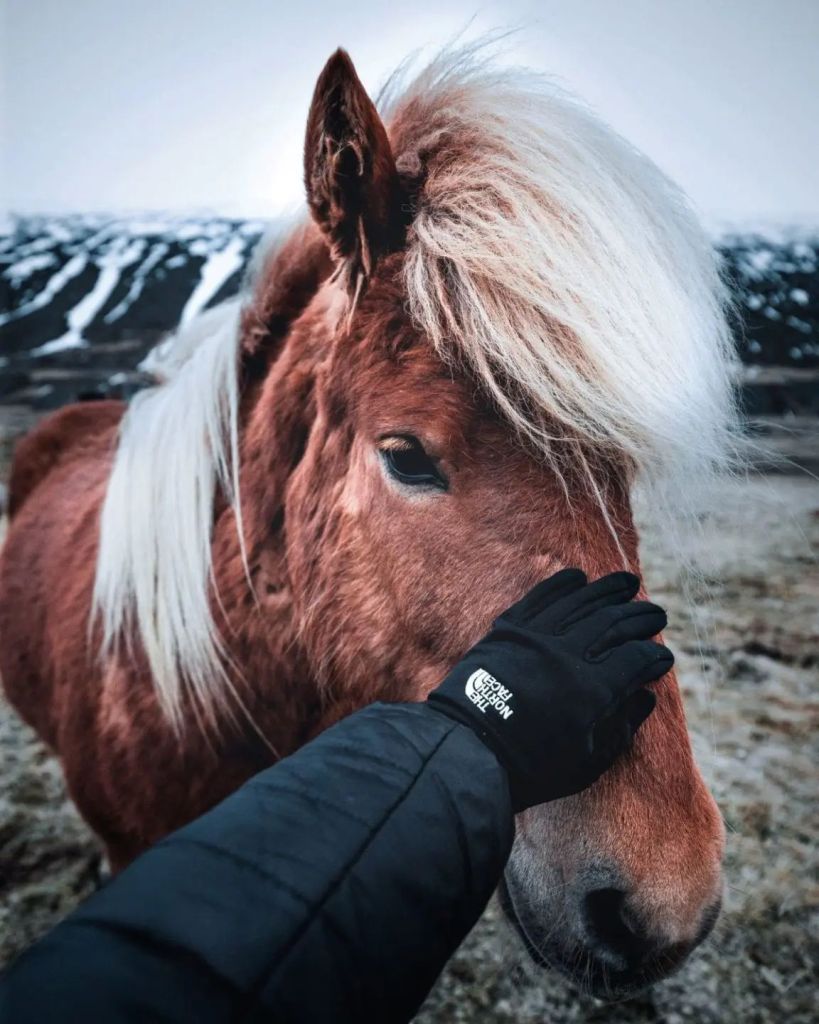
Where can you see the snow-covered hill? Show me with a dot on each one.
(775, 278)
(83, 298)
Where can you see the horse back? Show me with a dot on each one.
(65, 434)
(57, 485)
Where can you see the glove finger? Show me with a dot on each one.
(614, 589)
(614, 733)
(639, 662)
(545, 593)
(617, 624)
(638, 706)
(610, 737)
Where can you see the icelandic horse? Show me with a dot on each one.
(445, 384)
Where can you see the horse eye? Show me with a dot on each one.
(408, 463)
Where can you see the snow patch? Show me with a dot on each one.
(55, 284)
(138, 283)
(217, 269)
(111, 264)
(68, 340)
(22, 269)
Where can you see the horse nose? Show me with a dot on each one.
(616, 934)
(628, 942)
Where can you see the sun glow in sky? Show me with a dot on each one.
(200, 104)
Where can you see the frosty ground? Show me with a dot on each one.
(748, 659)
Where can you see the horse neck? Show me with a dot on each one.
(283, 340)
(281, 348)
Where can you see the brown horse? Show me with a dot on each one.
(444, 386)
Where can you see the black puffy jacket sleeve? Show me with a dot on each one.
(332, 887)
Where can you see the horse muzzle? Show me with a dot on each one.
(605, 946)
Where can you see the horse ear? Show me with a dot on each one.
(353, 188)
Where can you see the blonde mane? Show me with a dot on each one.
(566, 270)
(178, 443)
(545, 253)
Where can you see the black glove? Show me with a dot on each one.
(555, 689)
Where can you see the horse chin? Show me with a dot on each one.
(579, 964)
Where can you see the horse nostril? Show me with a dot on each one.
(613, 928)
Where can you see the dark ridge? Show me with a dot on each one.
(83, 299)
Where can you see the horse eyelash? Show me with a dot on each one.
(396, 443)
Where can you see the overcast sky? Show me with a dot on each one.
(194, 104)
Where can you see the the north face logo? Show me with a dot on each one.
(485, 691)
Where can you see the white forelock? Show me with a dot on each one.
(568, 272)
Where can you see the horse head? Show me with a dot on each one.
(500, 321)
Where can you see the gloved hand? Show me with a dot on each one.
(556, 688)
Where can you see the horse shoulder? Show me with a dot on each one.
(46, 566)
